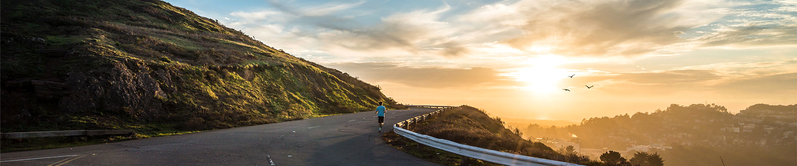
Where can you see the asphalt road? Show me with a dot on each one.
(350, 139)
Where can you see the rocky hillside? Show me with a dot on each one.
(150, 66)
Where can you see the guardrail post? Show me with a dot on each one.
(409, 124)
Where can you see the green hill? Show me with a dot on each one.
(471, 126)
(153, 67)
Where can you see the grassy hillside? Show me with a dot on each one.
(471, 126)
(153, 67)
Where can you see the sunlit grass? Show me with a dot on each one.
(210, 76)
(470, 126)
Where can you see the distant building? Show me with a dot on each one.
(768, 129)
(762, 143)
(646, 148)
(731, 129)
(748, 128)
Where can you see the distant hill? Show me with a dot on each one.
(765, 110)
(688, 135)
(153, 67)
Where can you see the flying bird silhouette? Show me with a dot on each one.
(589, 87)
(566, 89)
(571, 76)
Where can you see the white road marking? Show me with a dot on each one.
(38, 158)
(352, 120)
(67, 160)
(269, 160)
(312, 127)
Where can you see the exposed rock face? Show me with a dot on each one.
(129, 88)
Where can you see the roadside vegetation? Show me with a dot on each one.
(154, 68)
(471, 126)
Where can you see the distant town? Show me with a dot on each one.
(710, 127)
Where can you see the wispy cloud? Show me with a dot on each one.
(428, 77)
(609, 28)
(722, 78)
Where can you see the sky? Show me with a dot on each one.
(513, 58)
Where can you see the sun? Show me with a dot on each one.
(542, 75)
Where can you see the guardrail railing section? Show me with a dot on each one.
(467, 150)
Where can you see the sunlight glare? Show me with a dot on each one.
(542, 75)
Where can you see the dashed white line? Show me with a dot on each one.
(312, 127)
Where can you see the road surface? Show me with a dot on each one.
(350, 139)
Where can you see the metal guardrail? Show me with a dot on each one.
(429, 106)
(467, 150)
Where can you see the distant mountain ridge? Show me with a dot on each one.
(786, 110)
(150, 66)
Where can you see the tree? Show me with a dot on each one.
(570, 149)
(612, 158)
(639, 159)
(655, 160)
(645, 159)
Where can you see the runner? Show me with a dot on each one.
(380, 114)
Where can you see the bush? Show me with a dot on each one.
(470, 126)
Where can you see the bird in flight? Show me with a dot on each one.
(571, 76)
(566, 89)
(589, 87)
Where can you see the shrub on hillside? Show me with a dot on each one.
(468, 125)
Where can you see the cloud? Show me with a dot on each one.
(321, 15)
(426, 77)
(748, 69)
(415, 31)
(752, 24)
(648, 83)
(769, 85)
(771, 77)
(673, 77)
(599, 28)
(753, 35)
